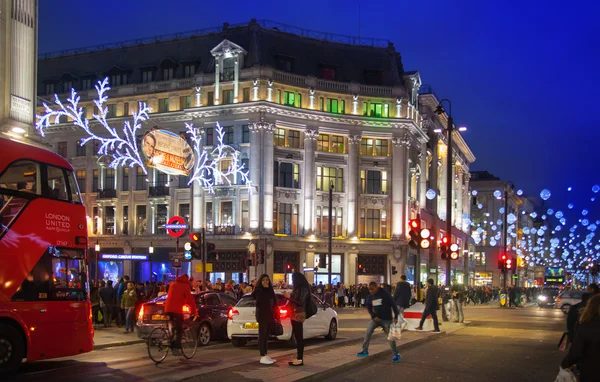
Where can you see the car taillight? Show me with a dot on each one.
(283, 313)
(186, 309)
(232, 312)
(559, 299)
(141, 313)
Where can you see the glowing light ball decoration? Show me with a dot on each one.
(595, 188)
(511, 218)
(545, 194)
(501, 210)
(559, 214)
(570, 206)
(480, 206)
(585, 222)
(474, 192)
(584, 212)
(533, 214)
(498, 194)
(520, 192)
(569, 188)
(550, 211)
(431, 194)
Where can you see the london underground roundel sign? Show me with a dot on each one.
(176, 226)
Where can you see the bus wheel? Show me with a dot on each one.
(12, 349)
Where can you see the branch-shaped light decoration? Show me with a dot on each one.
(207, 169)
(123, 149)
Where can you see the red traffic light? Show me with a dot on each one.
(504, 257)
(413, 224)
(195, 236)
(445, 240)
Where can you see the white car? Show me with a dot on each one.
(567, 299)
(242, 326)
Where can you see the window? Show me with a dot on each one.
(374, 147)
(228, 69)
(323, 143)
(321, 103)
(109, 179)
(287, 175)
(378, 110)
(330, 175)
(183, 181)
(140, 218)
(57, 186)
(125, 216)
(163, 105)
(245, 216)
(68, 280)
(115, 80)
(373, 182)
(49, 88)
(245, 134)
(184, 211)
(337, 144)
(189, 70)
(167, 74)
(79, 149)
(228, 135)
(140, 179)
(227, 98)
(284, 63)
(185, 102)
(323, 221)
(246, 95)
(209, 136)
(161, 219)
(62, 149)
(22, 176)
(67, 86)
(209, 216)
(80, 174)
(293, 139)
(111, 110)
(126, 109)
(95, 180)
(125, 183)
(279, 137)
(226, 215)
(86, 83)
(287, 218)
(147, 76)
(373, 223)
(109, 220)
(336, 106)
(210, 98)
(292, 99)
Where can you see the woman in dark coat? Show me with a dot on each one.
(265, 306)
(585, 350)
(299, 298)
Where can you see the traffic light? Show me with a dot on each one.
(322, 261)
(444, 247)
(188, 250)
(361, 269)
(509, 265)
(394, 271)
(414, 233)
(502, 262)
(196, 246)
(453, 251)
(211, 254)
(288, 268)
(425, 241)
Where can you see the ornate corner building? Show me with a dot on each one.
(347, 116)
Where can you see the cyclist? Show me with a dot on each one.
(179, 295)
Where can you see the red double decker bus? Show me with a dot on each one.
(45, 310)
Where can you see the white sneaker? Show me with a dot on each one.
(266, 361)
(271, 359)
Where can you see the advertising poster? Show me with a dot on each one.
(167, 152)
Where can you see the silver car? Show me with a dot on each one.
(567, 299)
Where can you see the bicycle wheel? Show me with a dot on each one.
(189, 342)
(159, 343)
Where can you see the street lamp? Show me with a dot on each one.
(449, 181)
(97, 250)
(151, 249)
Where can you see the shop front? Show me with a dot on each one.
(322, 274)
(113, 266)
(230, 265)
(371, 267)
(160, 268)
(483, 278)
(284, 263)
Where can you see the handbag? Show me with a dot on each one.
(395, 332)
(311, 308)
(565, 375)
(276, 328)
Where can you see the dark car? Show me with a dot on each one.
(211, 324)
(547, 298)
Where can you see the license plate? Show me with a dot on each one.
(251, 325)
(159, 317)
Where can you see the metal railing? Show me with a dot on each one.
(224, 230)
(108, 193)
(158, 191)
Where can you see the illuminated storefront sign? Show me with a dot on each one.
(111, 256)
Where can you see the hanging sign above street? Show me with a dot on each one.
(176, 226)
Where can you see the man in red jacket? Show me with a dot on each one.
(178, 296)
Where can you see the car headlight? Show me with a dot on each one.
(542, 298)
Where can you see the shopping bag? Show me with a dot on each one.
(565, 375)
(346, 299)
(395, 332)
(100, 317)
(562, 344)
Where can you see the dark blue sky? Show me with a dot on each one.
(522, 75)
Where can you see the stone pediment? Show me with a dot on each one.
(227, 49)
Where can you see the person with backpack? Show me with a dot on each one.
(304, 308)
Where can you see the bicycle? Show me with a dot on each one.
(160, 339)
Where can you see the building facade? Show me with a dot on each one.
(18, 58)
(348, 116)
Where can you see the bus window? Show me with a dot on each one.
(69, 278)
(75, 195)
(21, 176)
(56, 183)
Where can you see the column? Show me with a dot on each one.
(352, 184)
(350, 268)
(255, 164)
(442, 179)
(310, 262)
(236, 79)
(459, 197)
(467, 195)
(309, 187)
(423, 177)
(400, 181)
(197, 207)
(267, 187)
(218, 61)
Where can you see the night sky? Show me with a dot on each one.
(521, 75)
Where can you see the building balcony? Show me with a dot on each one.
(158, 191)
(109, 193)
(224, 230)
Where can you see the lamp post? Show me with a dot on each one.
(505, 228)
(150, 252)
(449, 200)
(97, 250)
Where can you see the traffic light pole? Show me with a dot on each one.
(330, 244)
(505, 234)
(203, 244)
(449, 199)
